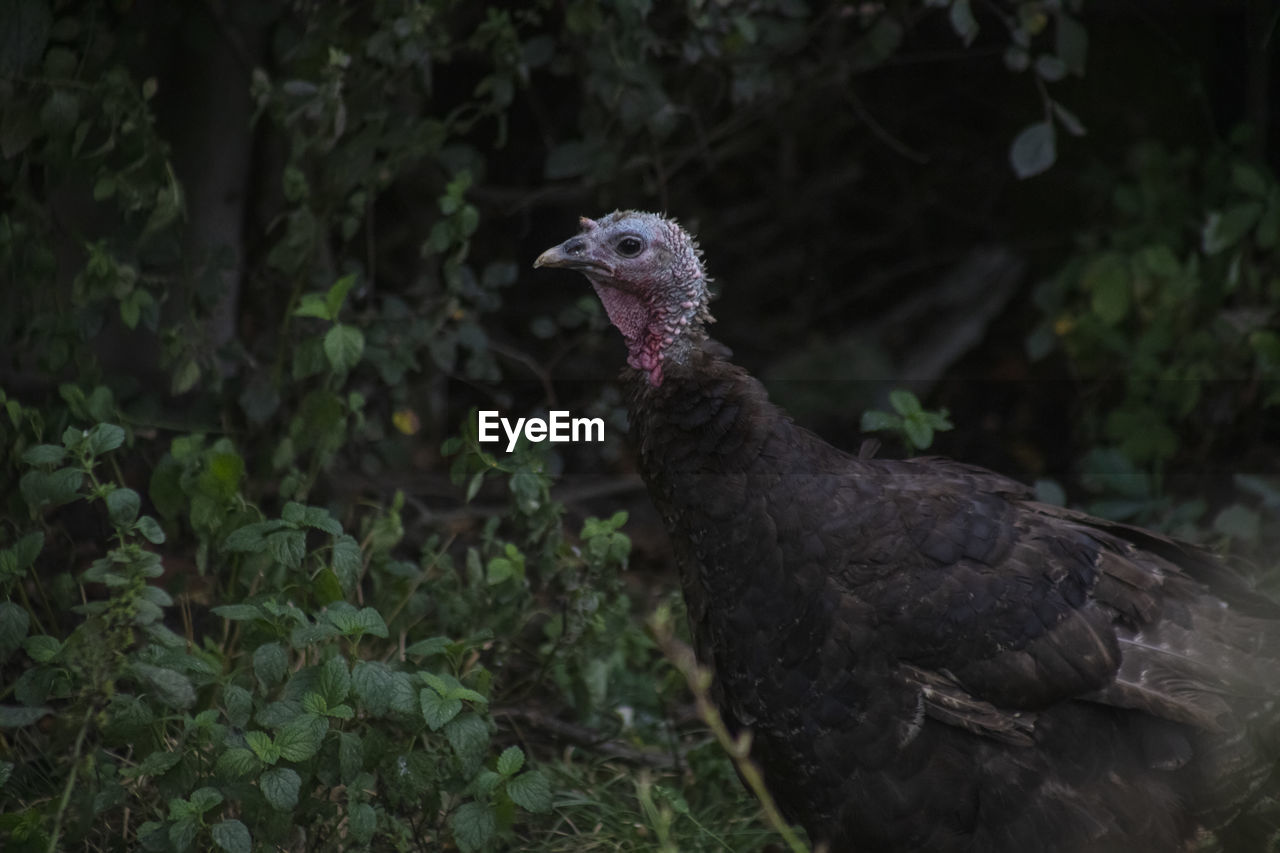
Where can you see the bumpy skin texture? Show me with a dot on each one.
(928, 659)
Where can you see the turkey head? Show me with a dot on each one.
(648, 272)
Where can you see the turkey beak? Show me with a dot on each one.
(571, 254)
(553, 257)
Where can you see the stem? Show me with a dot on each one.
(739, 748)
(71, 781)
(416, 582)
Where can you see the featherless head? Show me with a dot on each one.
(648, 272)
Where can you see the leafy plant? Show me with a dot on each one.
(909, 421)
(1171, 324)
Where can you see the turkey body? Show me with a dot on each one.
(927, 658)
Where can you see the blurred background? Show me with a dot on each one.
(261, 261)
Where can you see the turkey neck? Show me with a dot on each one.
(715, 455)
(706, 416)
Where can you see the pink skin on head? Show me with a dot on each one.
(657, 299)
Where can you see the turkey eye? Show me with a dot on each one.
(629, 247)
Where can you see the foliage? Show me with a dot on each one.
(909, 421)
(1166, 312)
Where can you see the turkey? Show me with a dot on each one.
(929, 659)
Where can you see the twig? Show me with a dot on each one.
(71, 781)
(880, 132)
(586, 737)
(531, 364)
(739, 748)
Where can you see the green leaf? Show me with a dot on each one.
(511, 760)
(1034, 150)
(280, 786)
(1016, 59)
(1068, 119)
(238, 703)
(1050, 67)
(335, 680)
(301, 737)
(104, 438)
(429, 647)
(123, 506)
(313, 305)
(239, 612)
(1071, 43)
(473, 486)
(232, 835)
(26, 549)
(372, 684)
(263, 746)
(436, 709)
(293, 512)
(150, 530)
(183, 832)
(338, 294)
(343, 346)
(473, 825)
(963, 22)
(240, 763)
(1223, 229)
(531, 790)
(60, 112)
(203, 799)
(1159, 260)
(14, 716)
(468, 734)
(42, 489)
(221, 477)
(270, 661)
(251, 537)
(499, 570)
(874, 420)
(14, 624)
(42, 648)
(313, 703)
(1107, 280)
(185, 377)
(904, 402)
(320, 518)
(350, 755)
(918, 432)
(44, 454)
(362, 820)
(354, 623)
(485, 782)
(169, 686)
(403, 699)
(347, 560)
(1249, 180)
(158, 763)
(287, 547)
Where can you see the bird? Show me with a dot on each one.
(926, 656)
